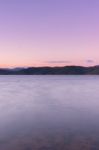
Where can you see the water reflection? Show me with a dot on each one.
(49, 112)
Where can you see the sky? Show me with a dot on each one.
(49, 32)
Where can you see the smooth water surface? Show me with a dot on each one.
(49, 112)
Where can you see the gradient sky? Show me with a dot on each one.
(49, 32)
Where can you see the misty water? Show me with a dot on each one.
(49, 112)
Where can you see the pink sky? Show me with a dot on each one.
(49, 32)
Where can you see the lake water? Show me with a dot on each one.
(49, 112)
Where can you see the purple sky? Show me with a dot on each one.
(49, 32)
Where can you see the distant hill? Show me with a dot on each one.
(66, 70)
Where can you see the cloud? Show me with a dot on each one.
(90, 61)
(58, 62)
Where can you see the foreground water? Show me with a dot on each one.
(49, 112)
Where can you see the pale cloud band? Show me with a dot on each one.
(58, 62)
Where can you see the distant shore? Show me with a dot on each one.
(65, 70)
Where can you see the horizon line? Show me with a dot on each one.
(25, 67)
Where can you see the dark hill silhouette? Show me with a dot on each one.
(66, 70)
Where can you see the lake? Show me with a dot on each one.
(49, 112)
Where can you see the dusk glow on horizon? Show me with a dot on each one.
(49, 33)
